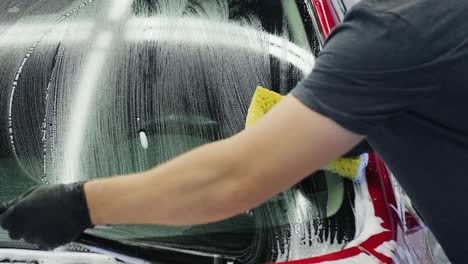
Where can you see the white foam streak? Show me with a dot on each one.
(181, 31)
(387, 249)
(367, 223)
(82, 105)
(25, 33)
(301, 213)
(119, 8)
(221, 34)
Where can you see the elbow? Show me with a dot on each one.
(234, 201)
(240, 185)
(240, 191)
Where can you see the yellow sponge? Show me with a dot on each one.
(264, 99)
(353, 168)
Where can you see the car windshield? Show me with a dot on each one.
(98, 88)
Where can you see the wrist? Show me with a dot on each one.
(83, 203)
(89, 191)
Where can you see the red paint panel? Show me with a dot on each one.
(381, 192)
(324, 16)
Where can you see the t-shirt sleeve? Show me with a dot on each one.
(374, 67)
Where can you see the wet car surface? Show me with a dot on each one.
(98, 88)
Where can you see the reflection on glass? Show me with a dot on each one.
(109, 87)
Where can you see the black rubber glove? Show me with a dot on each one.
(48, 216)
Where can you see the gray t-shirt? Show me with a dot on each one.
(397, 72)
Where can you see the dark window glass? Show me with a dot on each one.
(100, 88)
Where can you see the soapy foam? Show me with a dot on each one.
(117, 69)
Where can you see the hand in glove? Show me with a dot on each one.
(48, 216)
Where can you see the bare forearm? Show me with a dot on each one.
(210, 183)
(222, 179)
(192, 189)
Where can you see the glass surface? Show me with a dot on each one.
(99, 88)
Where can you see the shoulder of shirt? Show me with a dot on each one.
(385, 11)
(377, 10)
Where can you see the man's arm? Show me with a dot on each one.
(224, 178)
(210, 183)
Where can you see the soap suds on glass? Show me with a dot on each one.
(110, 87)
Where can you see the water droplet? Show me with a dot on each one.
(144, 139)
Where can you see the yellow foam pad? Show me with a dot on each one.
(264, 99)
(352, 168)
